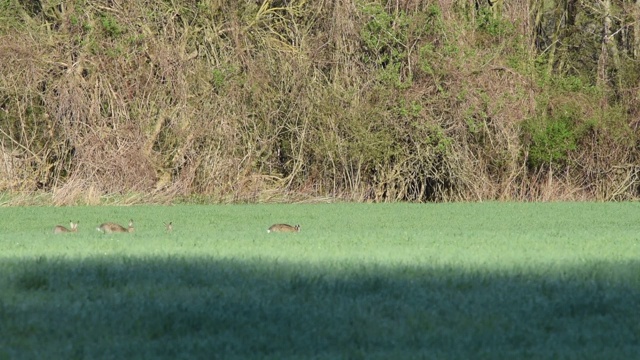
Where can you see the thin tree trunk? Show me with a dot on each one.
(537, 32)
(558, 17)
(636, 30)
(609, 49)
(496, 8)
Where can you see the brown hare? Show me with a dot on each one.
(73, 227)
(110, 227)
(283, 228)
(168, 226)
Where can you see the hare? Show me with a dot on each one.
(73, 227)
(110, 227)
(168, 226)
(283, 228)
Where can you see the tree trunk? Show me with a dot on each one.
(556, 37)
(609, 50)
(636, 30)
(537, 30)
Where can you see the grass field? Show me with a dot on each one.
(360, 281)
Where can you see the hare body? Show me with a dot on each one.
(110, 227)
(59, 229)
(283, 228)
(168, 226)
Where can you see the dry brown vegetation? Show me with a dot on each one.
(398, 100)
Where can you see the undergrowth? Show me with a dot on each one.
(356, 100)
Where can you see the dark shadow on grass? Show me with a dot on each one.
(198, 308)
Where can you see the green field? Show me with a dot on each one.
(360, 281)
